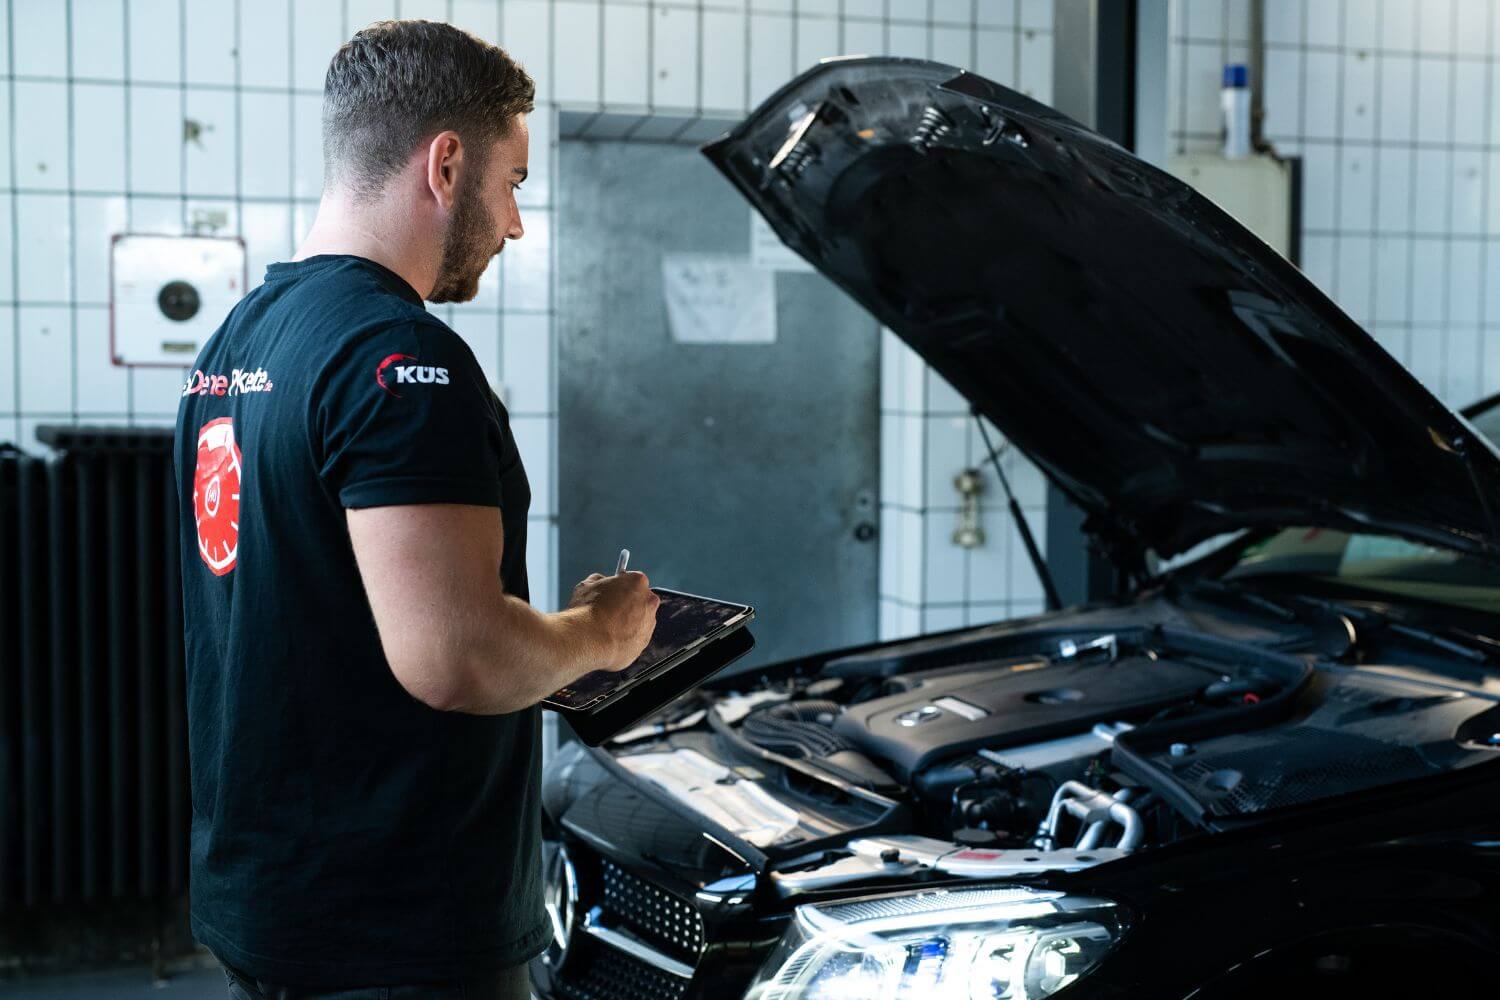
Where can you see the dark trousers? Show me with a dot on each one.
(513, 983)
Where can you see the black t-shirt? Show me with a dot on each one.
(343, 833)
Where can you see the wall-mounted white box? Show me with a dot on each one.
(169, 293)
(1256, 190)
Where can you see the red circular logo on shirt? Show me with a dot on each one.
(216, 495)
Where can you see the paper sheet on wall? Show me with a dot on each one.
(718, 299)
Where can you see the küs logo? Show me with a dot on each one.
(390, 371)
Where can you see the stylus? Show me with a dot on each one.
(624, 558)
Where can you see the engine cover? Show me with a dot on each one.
(1005, 703)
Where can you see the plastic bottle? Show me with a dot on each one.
(1234, 101)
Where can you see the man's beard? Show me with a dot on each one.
(468, 246)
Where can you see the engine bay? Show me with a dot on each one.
(1015, 752)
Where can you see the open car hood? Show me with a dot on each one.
(1172, 374)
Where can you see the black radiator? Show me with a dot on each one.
(93, 722)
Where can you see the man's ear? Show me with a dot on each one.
(445, 155)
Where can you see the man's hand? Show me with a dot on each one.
(624, 608)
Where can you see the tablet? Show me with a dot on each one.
(684, 624)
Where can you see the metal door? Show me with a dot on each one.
(742, 471)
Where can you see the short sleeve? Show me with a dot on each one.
(404, 415)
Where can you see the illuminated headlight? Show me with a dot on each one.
(1010, 943)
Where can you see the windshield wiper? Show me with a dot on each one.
(1211, 589)
(1369, 616)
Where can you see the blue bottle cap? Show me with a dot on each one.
(1236, 75)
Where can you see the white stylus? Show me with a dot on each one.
(624, 558)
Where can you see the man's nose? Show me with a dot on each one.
(515, 231)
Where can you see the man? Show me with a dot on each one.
(363, 667)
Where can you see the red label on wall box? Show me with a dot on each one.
(216, 495)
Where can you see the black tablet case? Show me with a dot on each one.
(594, 728)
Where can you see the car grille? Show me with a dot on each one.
(604, 973)
(655, 915)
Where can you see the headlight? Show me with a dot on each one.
(1010, 943)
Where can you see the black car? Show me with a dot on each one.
(1269, 771)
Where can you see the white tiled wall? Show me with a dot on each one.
(97, 94)
(1394, 106)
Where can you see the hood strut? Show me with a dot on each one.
(1037, 563)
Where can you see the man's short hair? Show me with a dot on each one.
(396, 84)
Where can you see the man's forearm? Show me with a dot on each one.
(517, 656)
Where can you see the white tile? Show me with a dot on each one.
(724, 73)
(1470, 89)
(1204, 20)
(1492, 168)
(1317, 262)
(7, 258)
(424, 10)
(1435, 27)
(317, 33)
(857, 8)
(156, 128)
(992, 14)
(1283, 92)
(1468, 193)
(890, 456)
(96, 222)
(1024, 584)
(942, 397)
(42, 119)
(155, 393)
(1473, 26)
(1036, 14)
(5, 129)
(99, 137)
(103, 387)
(1434, 114)
(1034, 74)
(1491, 287)
(1356, 188)
(265, 164)
(267, 229)
(817, 38)
(1319, 186)
(1462, 358)
(1393, 177)
(1361, 24)
(625, 67)
(1358, 96)
(826, 7)
(770, 54)
(541, 125)
(45, 265)
(1203, 69)
(906, 10)
(914, 377)
(307, 146)
(1398, 25)
(953, 46)
(1464, 272)
(8, 385)
(890, 552)
(42, 34)
(947, 456)
(986, 614)
(911, 489)
(890, 371)
(1434, 174)
(304, 213)
(99, 39)
(154, 214)
(1429, 282)
(155, 40)
(363, 13)
(479, 17)
(481, 331)
(1352, 283)
(211, 154)
(526, 366)
(575, 56)
(864, 38)
(265, 43)
(1026, 480)
(1491, 348)
(995, 55)
(943, 562)
(1395, 107)
(210, 50)
(1320, 110)
(674, 58)
(527, 267)
(903, 39)
(989, 564)
(1392, 278)
(534, 441)
(525, 34)
(959, 12)
(1283, 22)
(909, 536)
(541, 567)
(1322, 27)
(45, 338)
(943, 619)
